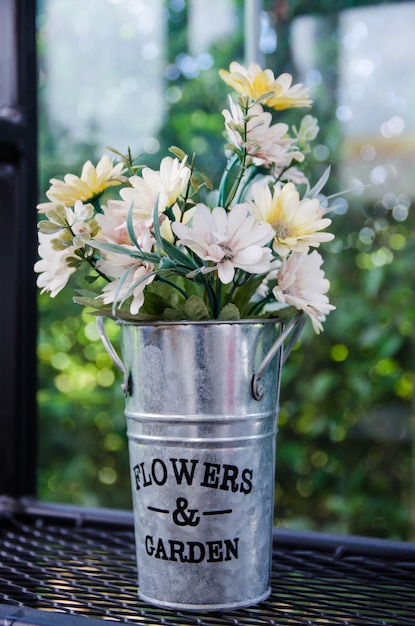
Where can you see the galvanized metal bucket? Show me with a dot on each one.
(201, 406)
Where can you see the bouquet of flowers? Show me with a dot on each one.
(157, 252)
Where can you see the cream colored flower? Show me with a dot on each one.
(174, 177)
(65, 232)
(138, 272)
(293, 175)
(227, 240)
(126, 272)
(265, 143)
(301, 283)
(308, 131)
(287, 96)
(54, 272)
(113, 228)
(91, 184)
(165, 184)
(251, 81)
(165, 226)
(70, 226)
(296, 223)
(257, 83)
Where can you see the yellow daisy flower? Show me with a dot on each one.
(90, 185)
(255, 83)
(251, 81)
(297, 223)
(287, 96)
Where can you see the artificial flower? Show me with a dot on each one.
(297, 223)
(89, 186)
(158, 244)
(129, 278)
(251, 81)
(54, 270)
(127, 273)
(291, 174)
(113, 227)
(70, 227)
(165, 225)
(302, 284)
(287, 96)
(261, 85)
(306, 133)
(163, 186)
(265, 143)
(227, 240)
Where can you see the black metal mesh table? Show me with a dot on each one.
(67, 567)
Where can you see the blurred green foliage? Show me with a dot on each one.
(346, 444)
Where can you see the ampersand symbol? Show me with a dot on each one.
(182, 516)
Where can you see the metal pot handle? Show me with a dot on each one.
(295, 326)
(125, 386)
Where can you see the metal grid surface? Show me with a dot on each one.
(64, 568)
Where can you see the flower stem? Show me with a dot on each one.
(224, 180)
(186, 195)
(168, 282)
(92, 264)
(242, 158)
(257, 306)
(218, 303)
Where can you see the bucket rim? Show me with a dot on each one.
(164, 323)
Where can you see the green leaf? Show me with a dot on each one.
(58, 215)
(286, 312)
(114, 150)
(66, 237)
(71, 261)
(90, 301)
(195, 183)
(195, 309)
(265, 96)
(172, 315)
(230, 312)
(177, 255)
(178, 152)
(48, 228)
(191, 287)
(117, 249)
(130, 226)
(244, 293)
(156, 302)
(126, 316)
(58, 244)
(85, 293)
(206, 180)
(105, 310)
(91, 279)
(223, 183)
(166, 263)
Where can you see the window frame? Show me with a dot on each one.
(18, 193)
(18, 314)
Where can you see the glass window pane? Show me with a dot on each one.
(346, 439)
(8, 69)
(123, 74)
(144, 74)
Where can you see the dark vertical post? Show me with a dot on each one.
(18, 196)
